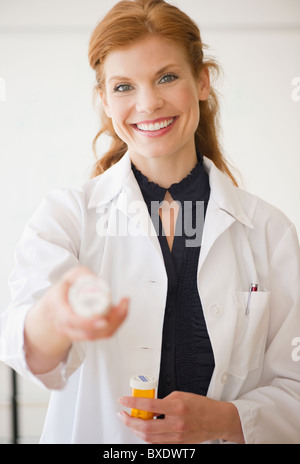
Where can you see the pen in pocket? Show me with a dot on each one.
(253, 288)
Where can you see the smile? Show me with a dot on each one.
(155, 127)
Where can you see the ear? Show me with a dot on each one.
(204, 85)
(105, 104)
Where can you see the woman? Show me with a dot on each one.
(182, 309)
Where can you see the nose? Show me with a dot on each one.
(149, 100)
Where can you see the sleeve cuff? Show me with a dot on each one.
(13, 354)
(247, 413)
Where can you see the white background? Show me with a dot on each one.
(48, 121)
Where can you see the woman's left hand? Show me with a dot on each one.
(188, 418)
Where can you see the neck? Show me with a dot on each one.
(165, 171)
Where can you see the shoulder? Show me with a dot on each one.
(261, 212)
(62, 209)
(74, 203)
(73, 199)
(270, 225)
(246, 207)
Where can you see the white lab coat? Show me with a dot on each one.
(244, 240)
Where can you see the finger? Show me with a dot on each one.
(150, 431)
(105, 326)
(80, 328)
(116, 315)
(151, 426)
(169, 406)
(156, 406)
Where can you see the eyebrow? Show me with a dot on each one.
(158, 73)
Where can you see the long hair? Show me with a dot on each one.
(130, 21)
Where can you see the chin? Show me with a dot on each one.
(155, 152)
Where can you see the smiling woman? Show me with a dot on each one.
(158, 99)
(171, 31)
(181, 249)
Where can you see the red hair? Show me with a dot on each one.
(125, 24)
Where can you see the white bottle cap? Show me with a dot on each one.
(90, 296)
(143, 382)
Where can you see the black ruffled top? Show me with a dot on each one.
(187, 360)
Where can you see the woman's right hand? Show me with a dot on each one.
(52, 326)
(75, 327)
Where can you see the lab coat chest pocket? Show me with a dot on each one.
(251, 332)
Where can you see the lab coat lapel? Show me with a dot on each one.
(224, 208)
(132, 204)
(216, 222)
(119, 183)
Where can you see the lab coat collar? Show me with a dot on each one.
(223, 192)
(110, 183)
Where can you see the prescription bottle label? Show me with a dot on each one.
(143, 386)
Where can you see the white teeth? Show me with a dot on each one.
(155, 127)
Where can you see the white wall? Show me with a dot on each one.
(47, 121)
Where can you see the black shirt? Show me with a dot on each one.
(187, 360)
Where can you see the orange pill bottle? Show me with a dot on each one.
(143, 386)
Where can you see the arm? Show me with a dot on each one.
(39, 331)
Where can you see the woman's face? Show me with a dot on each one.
(153, 98)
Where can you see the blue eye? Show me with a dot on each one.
(168, 78)
(122, 88)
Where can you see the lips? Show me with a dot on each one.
(157, 126)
